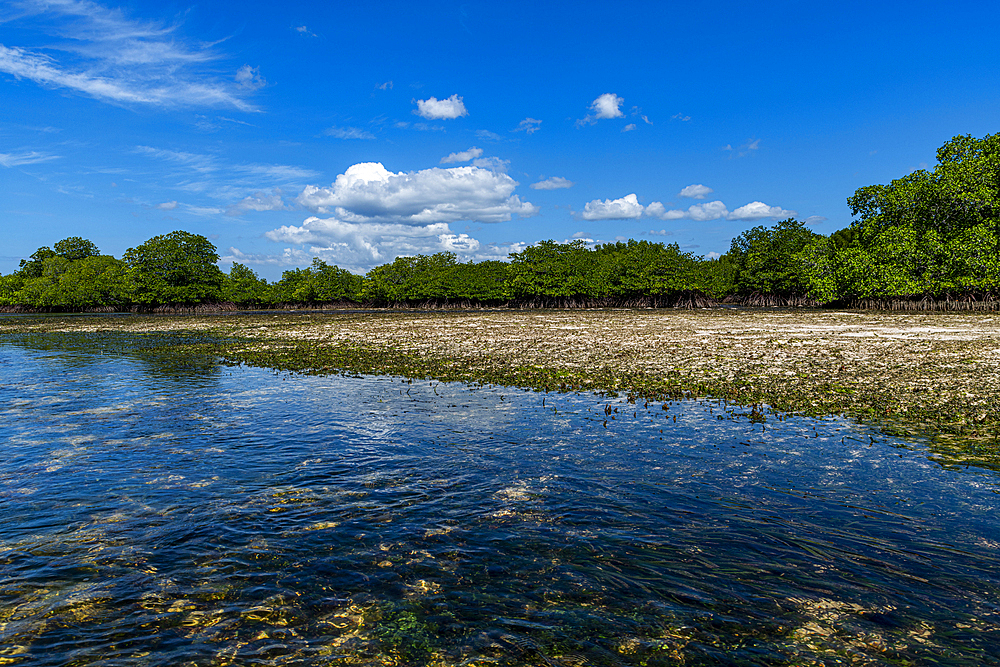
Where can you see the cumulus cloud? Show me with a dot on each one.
(552, 183)
(758, 210)
(107, 55)
(716, 210)
(258, 201)
(360, 246)
(304, 30)
(29, 157)
(249, 78)
(700, 212)
(629, 127)
(607, 105)
(528, 125)
(368, 192)
(626, 208)
(348, 133)
(386, 85)
(696, 191)
(462, 156)
(167, 206)
(435, 109)
(488, 136)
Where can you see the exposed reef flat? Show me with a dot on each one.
(932, 374)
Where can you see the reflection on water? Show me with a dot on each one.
(235, 516)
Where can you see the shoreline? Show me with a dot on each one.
(928, 374)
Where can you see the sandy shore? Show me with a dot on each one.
(933, 373)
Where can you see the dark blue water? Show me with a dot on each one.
(160, 514)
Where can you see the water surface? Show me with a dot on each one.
(172, 512)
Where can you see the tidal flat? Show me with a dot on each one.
(933, 375)
(165, 499)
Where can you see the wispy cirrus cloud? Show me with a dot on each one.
(236, 188)
(28, 157)
(348, 133)
(528, 126)
(106, 54)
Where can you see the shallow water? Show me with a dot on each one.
(161, 513)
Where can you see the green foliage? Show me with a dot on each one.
(243, 286)
(318, 283)
(176, 268)
(641, 268)
(769, 260)
(416, 278)
(718, 277)
(99, 280)
(962, 191)
(550, 269)
(332, 283)
(32, 268)
(9, 288)
(844, 238)
(485, 282)
(74, 248)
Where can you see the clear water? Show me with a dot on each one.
(164, 514)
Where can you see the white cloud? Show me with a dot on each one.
(492, 163)
(746, 148)
(249, 78)
(629, 127)
(304, 30)
(30, 157)
(360, 246)
(626, 208)
(607, 105)
(552, 183)
(107, 55)
(258, 201)
(758, 210)
(713, 255)
(680, 117)
(488, 136)
(528, 125)
(463, 156)
(712, 210)
(387, 85)
(656, 209)
(435, 109)
(814, 220)
(368, 192)
(699, 212)
(698, 191)
(716, 210)
(348, 133)
(167, 206)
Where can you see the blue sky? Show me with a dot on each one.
(357, 132)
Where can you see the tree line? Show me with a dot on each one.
(929, 236)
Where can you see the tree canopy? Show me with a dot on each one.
(931, 234)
